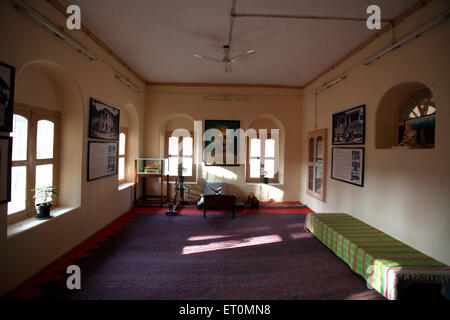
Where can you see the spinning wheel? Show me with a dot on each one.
(178, 197)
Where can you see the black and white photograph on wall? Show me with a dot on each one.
(7, 74)
(348, 165)
(5, 169)
(103, 121)
(102, 159)
(349, 126)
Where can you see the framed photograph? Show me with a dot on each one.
(5, 168)
(102, 159)
(103, 121)
(425, 127)
(348, 165)
(349, 127)
(222, 126)
(7, 74)
(149, 166)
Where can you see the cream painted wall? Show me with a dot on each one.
(406, 192)
(279, 105)
(51, 74)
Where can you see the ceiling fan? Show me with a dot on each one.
(226, 60)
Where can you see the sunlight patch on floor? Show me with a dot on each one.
(295, 225)
(367, 295)
(301, 235)
(211, 237)
(231, 244)
(253, 229)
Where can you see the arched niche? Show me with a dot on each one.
(130, 120)
(46, 84)
(268, 121)
(172, 122)
(389, 112)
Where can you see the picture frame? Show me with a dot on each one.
(7, 79)
(102, 159)
(347, 165)
(425, 127)
(5, 168)
(149, 166)
(349, 127)
(222, 125)
(103, 121)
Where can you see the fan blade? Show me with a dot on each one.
(239, 57)
(206, 58)
(228, 67)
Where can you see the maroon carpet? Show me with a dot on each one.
(255, 256)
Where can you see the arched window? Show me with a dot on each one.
(261, 159)
(123, 139)
(180, 152)
(34, 157)
(418, 112)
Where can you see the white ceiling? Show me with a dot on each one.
(158, 37)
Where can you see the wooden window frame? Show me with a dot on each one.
(33, 115)
(262, 157)
(123, 130)
(315, 135)
(192, 178)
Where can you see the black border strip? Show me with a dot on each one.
(10, 108)
(8, 184)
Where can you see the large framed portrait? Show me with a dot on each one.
(7, 74)
(102, 159)
(229, 155)
(5, 168)
(349, 126)
(103, 121)
(347, 165)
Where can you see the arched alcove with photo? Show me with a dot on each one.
(406, 117)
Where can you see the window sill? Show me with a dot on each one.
(268, 184)
(29, 223)
(125, 185)
(412, 147)
(185, 182)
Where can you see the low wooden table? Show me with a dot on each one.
(219, 202)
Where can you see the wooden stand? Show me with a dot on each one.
(146, 199)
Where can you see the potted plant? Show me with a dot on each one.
(44, 196)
